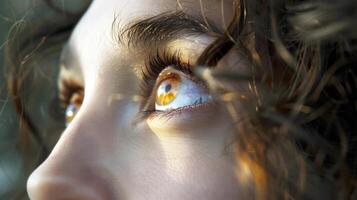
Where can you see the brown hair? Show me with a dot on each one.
(296, 139)
(33, 39)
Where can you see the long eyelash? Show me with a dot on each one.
(156, 63)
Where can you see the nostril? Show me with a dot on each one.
(44, 187)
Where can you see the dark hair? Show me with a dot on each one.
(34, 42)
(297, 133)
(297, 136)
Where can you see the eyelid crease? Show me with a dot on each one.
(67, 89)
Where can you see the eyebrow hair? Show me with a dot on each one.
(158, 29)
(152, 31)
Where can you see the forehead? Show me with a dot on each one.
(92, 39)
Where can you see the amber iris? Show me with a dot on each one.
(167, 90)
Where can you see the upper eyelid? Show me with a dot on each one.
(68, 87)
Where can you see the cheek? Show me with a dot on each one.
(184, 156)
(179, 166)
(175, 159)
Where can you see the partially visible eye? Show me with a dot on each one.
(175, 90)
(71, 94)
(73, 107)
(70, 113)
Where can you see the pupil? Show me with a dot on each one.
(167, 88)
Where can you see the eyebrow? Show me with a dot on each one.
(150, 32)
(158, 29)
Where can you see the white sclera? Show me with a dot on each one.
(189, 93)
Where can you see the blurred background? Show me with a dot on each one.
(11, 173)
(40, 92)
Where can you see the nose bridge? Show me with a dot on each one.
(75, 168)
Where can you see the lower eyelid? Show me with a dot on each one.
(185, 117)
(193, 107)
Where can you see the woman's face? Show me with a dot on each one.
(147, 128)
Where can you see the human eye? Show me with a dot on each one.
(171, 86)
(71, 98)
(176, 91)
(70, 112)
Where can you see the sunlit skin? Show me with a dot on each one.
(103, 154)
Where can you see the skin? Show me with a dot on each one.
(103, 154)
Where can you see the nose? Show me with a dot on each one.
(43, 186)
(75, 169)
